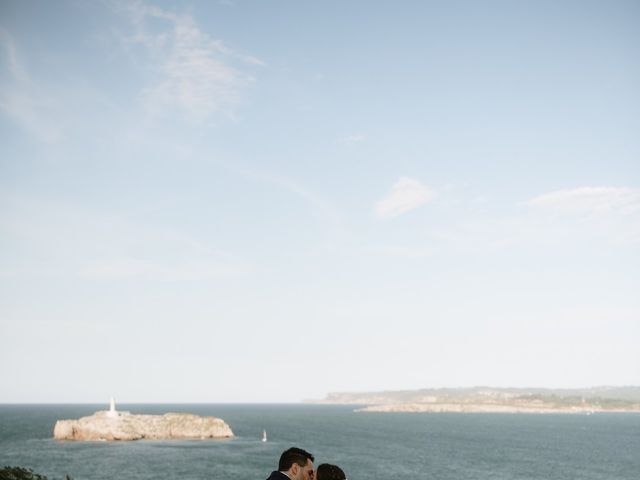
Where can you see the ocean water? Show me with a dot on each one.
(367, 445)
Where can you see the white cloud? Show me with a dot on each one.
(590, 200)
(194, 72)
(405, 195)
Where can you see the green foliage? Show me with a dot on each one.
(21, 473)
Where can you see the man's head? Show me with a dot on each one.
(297, 464)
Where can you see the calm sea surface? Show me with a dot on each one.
(367, 445)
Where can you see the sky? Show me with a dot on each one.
(267, 201)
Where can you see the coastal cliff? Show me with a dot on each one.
(105, 425)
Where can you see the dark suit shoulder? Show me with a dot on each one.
(277, 476)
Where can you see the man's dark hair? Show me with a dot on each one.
(291, 456)
(326, 471)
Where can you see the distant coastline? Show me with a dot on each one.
(493, 400)
(483, 408)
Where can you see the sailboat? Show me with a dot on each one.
(264, 435)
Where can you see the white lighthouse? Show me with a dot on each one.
(112, 408)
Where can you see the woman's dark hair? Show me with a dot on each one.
(326, 471)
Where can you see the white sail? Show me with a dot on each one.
(264, 435)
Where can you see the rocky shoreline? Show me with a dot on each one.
(111, 425)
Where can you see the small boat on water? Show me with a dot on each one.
(264, 435)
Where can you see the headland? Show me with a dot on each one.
(493, 400)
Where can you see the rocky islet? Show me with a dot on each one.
(112, 425)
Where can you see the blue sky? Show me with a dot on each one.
(267, 201)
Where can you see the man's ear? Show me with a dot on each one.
(294, 469)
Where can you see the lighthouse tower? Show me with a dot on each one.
(112, 409)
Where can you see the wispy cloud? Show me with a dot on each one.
(195, 74)
(20, 97)
(398, 251)
(63, 240)
(405, 195)
(324, 208)
(354, 139)
(591, 200)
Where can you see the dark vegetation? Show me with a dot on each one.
(21, 473)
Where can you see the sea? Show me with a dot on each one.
(372, 446)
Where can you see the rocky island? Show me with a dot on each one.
(117, 425)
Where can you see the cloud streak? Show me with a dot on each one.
(399, 251)
(405, 195)
(70, 241)
(319, 204)
(589, 200)
(20, 97)
(354, 139)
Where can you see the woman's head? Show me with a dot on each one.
(327, 471)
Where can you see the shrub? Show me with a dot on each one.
(21, 473)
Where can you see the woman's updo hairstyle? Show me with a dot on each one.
(326, 471)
